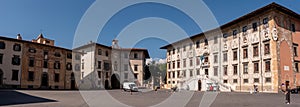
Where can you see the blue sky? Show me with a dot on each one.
(59, 20)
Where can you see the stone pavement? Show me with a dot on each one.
(161, 98)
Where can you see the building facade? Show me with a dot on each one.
(36, 64)
(260, 48)
(106, 67)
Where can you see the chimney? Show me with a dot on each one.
(19, 37)
(115, 44)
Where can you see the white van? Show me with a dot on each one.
(130, 86)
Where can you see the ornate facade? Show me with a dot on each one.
(260, 48)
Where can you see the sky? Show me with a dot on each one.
(144, 25)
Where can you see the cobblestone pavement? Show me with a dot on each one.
(44, 98)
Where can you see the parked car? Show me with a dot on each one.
(130, 86)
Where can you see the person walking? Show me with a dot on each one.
(288, 95)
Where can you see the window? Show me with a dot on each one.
(17, 47)
(225, 57)
(184, 62)
(136, 55)
(215, 39)
(77, 67)
(184, 47)
(191, 73)
(191, 46)
(1, 58)
(106, 53)
(234, 33)
(99, 74)
(254, 26)
(126, 75)
(77, 56)
(245, 53)
(45, 65)
(82, 74)
(32, 50)
(225, 70)
(2, 45)
(235, 55)
(297, 67)
(16, 60)
(169, 74)
(198, 72)
(69, 55)
(125, 55)
(169, 52)
(82, 65)
(295, 51)
(173, 64)
(293, 28)
(136, 67)
(246, 81)
(235, 70)
(178, 64)
(197, 44)
(205, 58)
(255, 51)
(235, 80)
(245, 28)
(135, 75)
(184, 73)
(57, 54)
(205, 42)
(268, 80)
(56, 65)
(99, 65)
(45, 54)
(206, 71)
(169, 65)
(99, 51)
(225, 81)
(246, 68)
(267, 49)
(15, 75)
(256, 69)
(265, 21)
(56, 77)
(191, 62)
(125, 67)
(178, 50)
(106, 75)
(215, 71)
(106, 66)
(69, 66)
(225, 35)
(198, 60)
(173, 51)
(215, 58)
(30, 76)
(267, 65)
(31, 61)
(256, 80)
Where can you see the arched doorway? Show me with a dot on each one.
(1, 78)
(44, 82)
(106, 84)
(115, 83)
(199, 85)
(73, 83)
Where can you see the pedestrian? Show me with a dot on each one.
(288, 95)
(131, 88)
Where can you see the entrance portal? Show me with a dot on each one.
(199, 85)
(73, 83)
(44, 81)
(115, 83)
(1, 78)
(106, 84)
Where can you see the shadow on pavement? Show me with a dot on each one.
(12, 97)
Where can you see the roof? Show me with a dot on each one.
(24, 41)
(271, 6)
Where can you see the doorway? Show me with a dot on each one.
(199, 85)
(44, 81)
(106, 84)
(1, 78)
(73, 83)
(115, 83)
